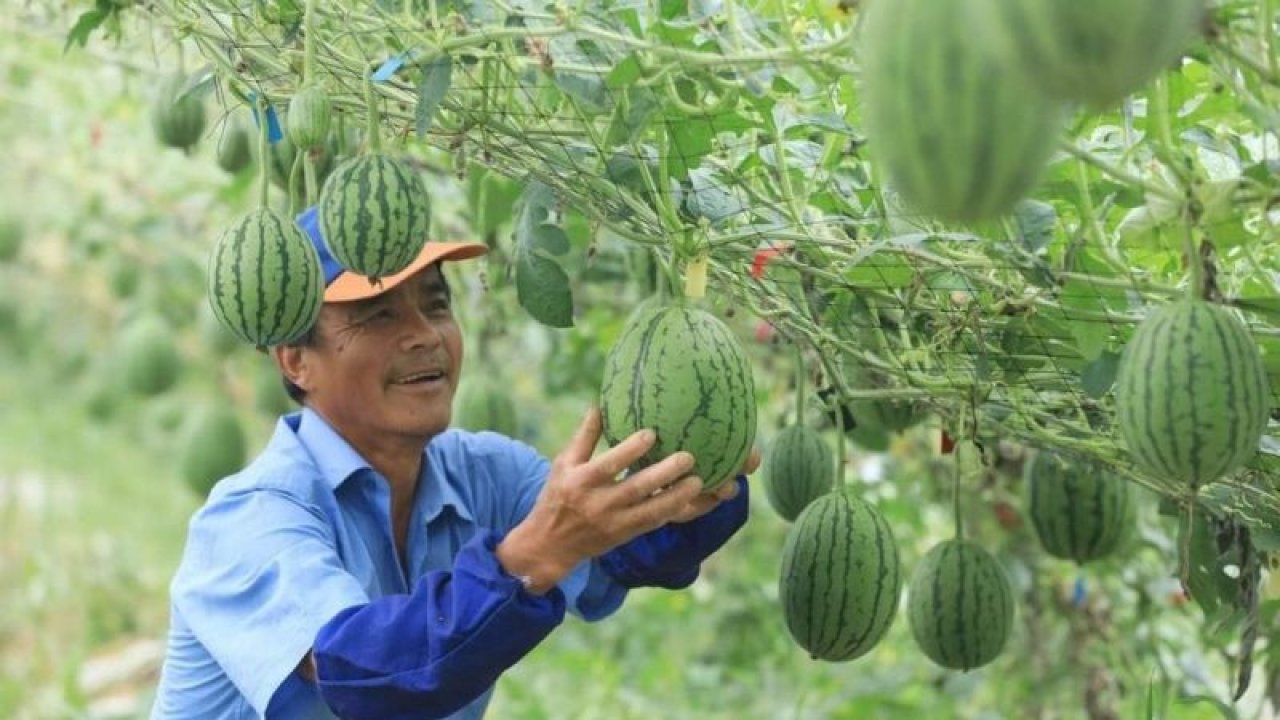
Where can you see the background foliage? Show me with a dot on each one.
(647, 136)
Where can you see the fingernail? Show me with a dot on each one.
(686, 460)
(650, 435)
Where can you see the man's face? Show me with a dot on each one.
(387, 366)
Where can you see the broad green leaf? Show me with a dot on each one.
(1100, 374)
(542, 288)
(711, 199)
(624, 73)
(432, 88)
(1035, 222)
(1256, 507)
(687, 143)
(79, 34)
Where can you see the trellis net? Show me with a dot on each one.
(729, 133)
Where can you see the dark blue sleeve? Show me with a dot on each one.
(429, 653)
(671, 556)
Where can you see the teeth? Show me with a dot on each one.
(419, 376)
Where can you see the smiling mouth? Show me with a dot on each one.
(420, 378)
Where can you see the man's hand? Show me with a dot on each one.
(706, 502)
(583, 511)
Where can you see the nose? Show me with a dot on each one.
(419, 332)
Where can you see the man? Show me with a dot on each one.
(373, 563)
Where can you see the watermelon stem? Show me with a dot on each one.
(1197, 289)
(955, 498)
(800, 384)
(371, 118)
(837, 480)
(309, 42)
(293, 181)
(1184, 562)
(264, 150)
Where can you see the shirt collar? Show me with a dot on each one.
(333, 455)
(436, 488)
(338, 461)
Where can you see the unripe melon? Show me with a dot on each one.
(214, 447)
(951, 120)
(798, 468)
(841, 578)
(308, 117)
(960, 605)
(483, 405)
(178, 120)
(264, 280)
(1096, 52)
(681, 372)
(375, 215)
(1192, 395)
(149, 362)
(1078, 509)
(235, 151)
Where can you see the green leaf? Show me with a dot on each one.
(542, 288)
(88, 21)
(630, 116)
(1256, 507)
(549, 238)
(1035, 221)
(432, 87)
(624, 73)
(1207, 583)
(687, 143)
(710, 199)
(1098, 376)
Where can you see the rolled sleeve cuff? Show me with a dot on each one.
(428, 654)
(671, 556)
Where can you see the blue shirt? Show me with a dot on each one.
(303, 535)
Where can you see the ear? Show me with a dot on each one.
(292, 361)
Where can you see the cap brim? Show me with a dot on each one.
(349, 287)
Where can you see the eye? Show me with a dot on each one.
(382, 314)
(437, 306)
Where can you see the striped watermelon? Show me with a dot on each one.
(307, 121)
(1192, 396)
(798, 469)
(375, 215)
(485, 405)
(264, 280)
(177, 120)
(1099, 51)
(841, 578)
(213, 447)
(149, 360)
(1079, 511)
(951, 120)
(680, 371)
(960, 605)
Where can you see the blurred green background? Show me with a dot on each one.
(111, 229)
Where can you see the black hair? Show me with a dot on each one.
(310, 338)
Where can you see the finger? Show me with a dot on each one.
(666, 506)
(727, 491)
(609, 463)
(752, 462)
(659, 476)
(584, 439)
(696, 508)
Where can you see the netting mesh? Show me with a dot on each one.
(728, 130)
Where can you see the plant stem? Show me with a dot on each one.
(800, 383)
(371, 116)
(309, 43)
(264, 152)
